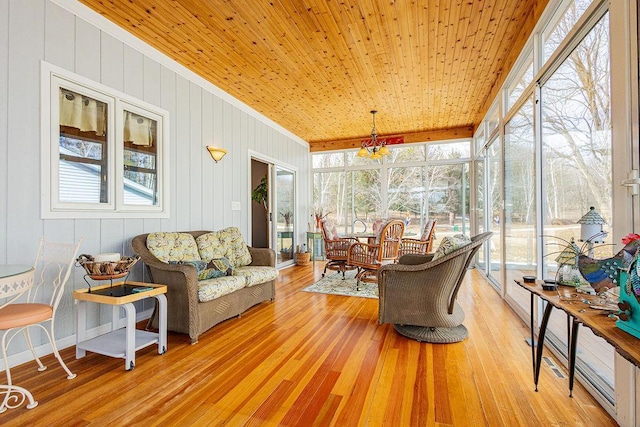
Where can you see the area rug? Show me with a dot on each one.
(333, 284)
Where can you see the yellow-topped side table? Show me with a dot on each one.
(121, 342)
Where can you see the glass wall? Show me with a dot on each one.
(365, 201)
(557, 163)
(520, 232)
(448, 198)
(494, 197)
(577, 153)
(415, 183)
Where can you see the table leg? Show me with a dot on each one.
(130, 349)
(162, 323)
(540, 345)
(81, 328)
(569, 331)
(115, 317)
(533, 337)
(572, 354)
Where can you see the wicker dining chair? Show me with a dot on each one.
(418, 294)
(368, 258)
(336, 248)
(422, 245)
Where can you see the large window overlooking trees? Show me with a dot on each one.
(520, 228)
(577, 166)
(415, 183)
(557, 162)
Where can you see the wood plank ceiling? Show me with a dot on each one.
(317, 67)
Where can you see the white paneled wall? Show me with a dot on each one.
(68, 35)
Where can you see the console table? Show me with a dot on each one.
(315, 238)
(121, 342)
(579, 312)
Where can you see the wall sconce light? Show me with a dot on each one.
(216, 153)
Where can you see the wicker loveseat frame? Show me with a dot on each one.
(186, 314)
(418, 295)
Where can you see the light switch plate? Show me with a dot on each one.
(235, 206)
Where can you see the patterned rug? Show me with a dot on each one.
(333, 284)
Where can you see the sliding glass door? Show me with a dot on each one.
(520, 230)
(284, 208)
(577, 174)
(494, 199)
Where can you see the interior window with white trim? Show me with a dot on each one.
(104, 153)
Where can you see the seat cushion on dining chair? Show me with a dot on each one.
(331, 230)
(428, 227)
(18, 315)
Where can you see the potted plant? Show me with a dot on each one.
(260, 193)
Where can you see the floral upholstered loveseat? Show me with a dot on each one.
(211, 276)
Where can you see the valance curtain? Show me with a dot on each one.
(82, 112)
(90, 115)
(138, 129)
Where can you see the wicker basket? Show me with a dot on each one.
(303, 258)
(106, 269)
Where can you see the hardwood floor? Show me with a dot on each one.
(313, 359)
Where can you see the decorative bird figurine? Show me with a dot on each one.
(633, 283)
(602, 274)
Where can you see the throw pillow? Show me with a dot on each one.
(204, 273)
(227, 243)
(331, 230)
(168, 246)
(222, 265)
(450, 244)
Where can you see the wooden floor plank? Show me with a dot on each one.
(313, 359)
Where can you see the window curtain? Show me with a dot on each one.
(81, 112)
(138, 129)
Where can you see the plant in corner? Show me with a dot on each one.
(260, 193)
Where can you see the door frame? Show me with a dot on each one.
(271, 202)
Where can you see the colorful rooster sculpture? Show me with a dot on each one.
(602, 274)
(633, 284)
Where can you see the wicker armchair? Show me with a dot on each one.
(368, 258)
(418, 295)
(336, 248)
(424, 244)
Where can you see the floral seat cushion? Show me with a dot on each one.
(227, 243)
(256, 275)
(330, 230)
(173, 246)
(211, 289)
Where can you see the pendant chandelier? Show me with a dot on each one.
(373, 148)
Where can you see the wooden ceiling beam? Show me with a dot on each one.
(413, 137)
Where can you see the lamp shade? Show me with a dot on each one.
(216, 153)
